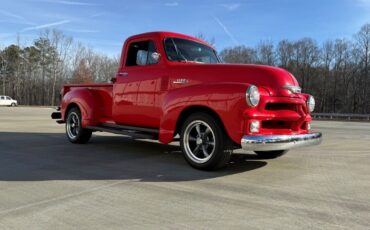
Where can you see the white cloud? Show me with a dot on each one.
(171, 4)
(82, 31)
(66, 2)
(365, 6)
(227, 31)
(46, 25)
(9, 14)
(367, 2)
(231, 6)
(76, 3)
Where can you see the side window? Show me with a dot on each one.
(2, 98)
(8, 98)
(141, 53)
(152, 52)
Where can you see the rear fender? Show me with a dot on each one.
(227, 100)
(84, 99)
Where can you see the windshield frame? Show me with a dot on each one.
(187, 61)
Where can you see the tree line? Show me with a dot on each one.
(336, 72)
(34, 74)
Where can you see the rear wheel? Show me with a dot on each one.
(75, 132)
(270, 154)
(204, 142)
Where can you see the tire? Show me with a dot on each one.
(75, 133)
(13, 105)
(204, 142)
(270, 154)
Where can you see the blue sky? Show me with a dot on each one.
(104, 25)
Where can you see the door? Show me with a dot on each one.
(135, 87)
(8, 101)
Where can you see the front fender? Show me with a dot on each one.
(84, 99)
(227, 100)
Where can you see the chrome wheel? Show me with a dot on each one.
(74, 130)
(73, 125)
(199, 141)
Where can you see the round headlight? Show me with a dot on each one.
(311, 103)
(252, 96)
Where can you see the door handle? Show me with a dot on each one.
(123, 74)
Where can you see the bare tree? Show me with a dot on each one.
(327, 58)
(62, 45)
(342, 56)
(266, 53)
(363, 43)
(82, 75)
(239, 54)
(306, 55)
(285, 53)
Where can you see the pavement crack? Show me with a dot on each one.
(70, 195)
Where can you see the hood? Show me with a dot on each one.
(273, 79)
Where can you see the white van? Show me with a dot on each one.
(7, 101)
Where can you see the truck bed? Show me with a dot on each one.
(102, 94)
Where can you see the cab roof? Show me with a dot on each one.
(164, 34)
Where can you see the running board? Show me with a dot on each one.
(127, 127)
(126, 131)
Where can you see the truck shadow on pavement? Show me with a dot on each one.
(50, 156)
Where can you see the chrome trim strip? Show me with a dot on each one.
(123, 74)
(280, 142)
(293, 88)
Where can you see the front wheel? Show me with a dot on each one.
(75, 132)
(13, 105)
(270, 154)
(204, 142)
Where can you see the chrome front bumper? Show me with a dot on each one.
(279, 142)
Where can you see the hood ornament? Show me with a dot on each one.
(293, 88)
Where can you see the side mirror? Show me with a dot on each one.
(155, 57)
(113, 80)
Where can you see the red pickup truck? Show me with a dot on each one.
(171, 86)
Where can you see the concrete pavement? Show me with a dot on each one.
(114, 182)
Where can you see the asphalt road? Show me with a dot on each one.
(114, 182)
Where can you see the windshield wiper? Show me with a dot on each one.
(178, 51)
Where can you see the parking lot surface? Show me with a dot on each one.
(114, 182)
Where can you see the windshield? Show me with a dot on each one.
(183, 50)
